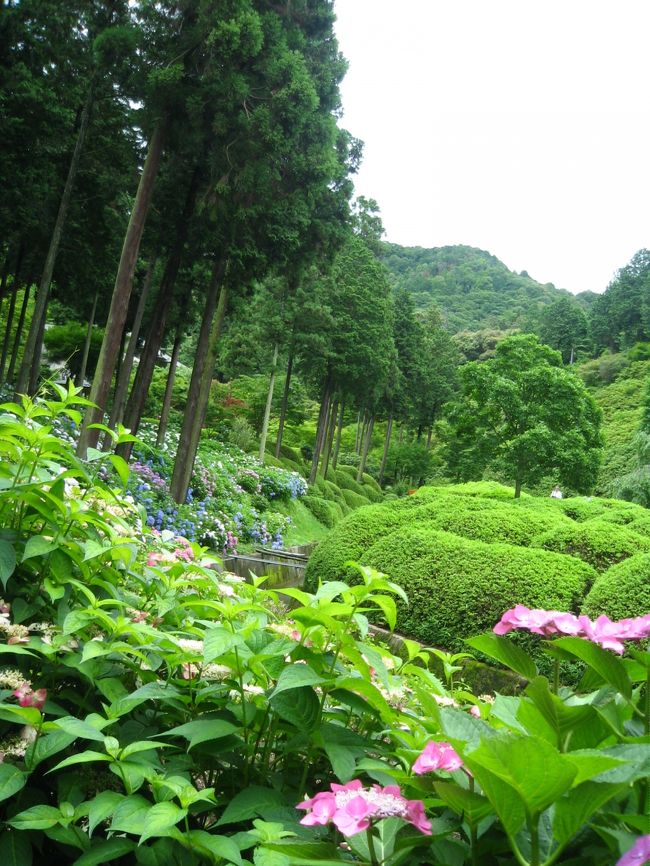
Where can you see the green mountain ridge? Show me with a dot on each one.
(473, 288)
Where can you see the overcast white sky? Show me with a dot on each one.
(518, 126)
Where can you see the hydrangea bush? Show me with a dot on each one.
(156, 711)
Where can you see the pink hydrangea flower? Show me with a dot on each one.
(604, 632)
(638, 854)
(437, 756)
(352, 808)
(27, 697)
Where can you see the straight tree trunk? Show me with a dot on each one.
(122, 291)
(5, 277)
(30, 366)
(320, 429)
(8, 327)
(269, 403)
(366, 447)
(169, 387)
(19, 333)
(429, 437)
(359, 430)
(329, 437)
(339, 432)
(199, 390)
(121, 390)
(384, 457)
(81, 375)
(285, 402)
(146, 366)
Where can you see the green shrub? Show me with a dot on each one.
(597, 542)
(390, 497)
(329, 513)
(292, 465)
(499, 523)
(349, 470)
(457, 587)
(370, 481)
(66, 343)
(270, 460)
(372, 493)
(351, 538)
(622, 591)
(355, 500)
(345, 482)
(640, 525)
(489, 489)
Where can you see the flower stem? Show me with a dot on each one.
(371, 847)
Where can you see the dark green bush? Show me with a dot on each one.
(329, 513)
(372, 493)
(458, 588)
(597, 542)
(66, 343)
(622, 591)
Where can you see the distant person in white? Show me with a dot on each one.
(556, 493)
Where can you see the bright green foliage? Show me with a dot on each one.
(184, 714)
(598, 542)
(524, 415)
(458, 587)
(486, 489)
(622, 591)
(355, 500)
(614, 510)
(473, 517)
(329, 513)
(370, 481)
(346, 482)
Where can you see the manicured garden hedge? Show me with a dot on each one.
(458, 588)
(622, 591)
(597, 542)
(355, 500)
(329, 513)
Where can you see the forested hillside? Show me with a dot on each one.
(472, 288)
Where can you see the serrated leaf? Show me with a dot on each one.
(87, 757)
(36, 818)
(83, 730)
(606, 665)
(223, 847)
(38, 545)
(105, 850)
(531, 766)
(298, 707)
(464, 802)
(102, 807)
(7, 561)
(161, 818)
(573, 810)
(505, 651)
(131, 814)
(11, 781)
(202, 730)
(296, 676)
(15, 849)
(218, 641)
(249, 803)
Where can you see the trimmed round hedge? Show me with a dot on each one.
(345, 482)
(472, 517)
(612, 510)
(458, 588)
(622, 591)
(329, 513)
(598, 542)
(355, 500)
